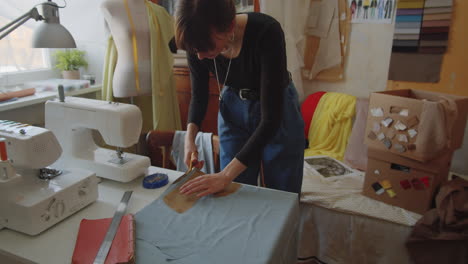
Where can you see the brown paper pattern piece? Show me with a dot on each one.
(181, 202)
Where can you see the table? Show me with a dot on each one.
(259, 226)
(56, 244)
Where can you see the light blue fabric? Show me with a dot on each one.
(205, 151)
(282, 157)
(252, 225)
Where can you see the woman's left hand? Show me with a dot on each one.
(205, 185)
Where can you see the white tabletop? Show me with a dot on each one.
(56, 244)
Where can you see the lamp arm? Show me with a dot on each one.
(33, 13)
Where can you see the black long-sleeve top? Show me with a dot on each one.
(261, 66)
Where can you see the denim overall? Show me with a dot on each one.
(282, 158)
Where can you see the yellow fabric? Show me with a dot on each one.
(166, 115)
(331, 125)
(161, 109)
(135, 49)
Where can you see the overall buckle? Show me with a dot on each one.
(241, 93)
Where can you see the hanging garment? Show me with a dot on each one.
(331, 125)
(204, 148)
(164, 105)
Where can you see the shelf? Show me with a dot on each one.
(42, 97)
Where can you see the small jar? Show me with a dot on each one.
(90, 77)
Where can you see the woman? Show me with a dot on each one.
(259, 121)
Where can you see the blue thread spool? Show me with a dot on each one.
(156, 180)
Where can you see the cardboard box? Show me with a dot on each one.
(416, 124)
(405, 183)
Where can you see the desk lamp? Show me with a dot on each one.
(50, 34)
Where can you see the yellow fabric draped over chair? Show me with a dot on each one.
(160, 110)
(331, 125)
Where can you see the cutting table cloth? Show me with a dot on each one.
(252, 225)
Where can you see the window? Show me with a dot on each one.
(19, 62)
(16, 54)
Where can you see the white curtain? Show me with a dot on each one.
(292, 15)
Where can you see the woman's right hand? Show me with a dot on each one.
(190, 152)
(190, 148)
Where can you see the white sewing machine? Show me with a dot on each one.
(32, 197)
(73, 122)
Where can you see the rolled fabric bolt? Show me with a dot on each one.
(3, 151)
(391, 133)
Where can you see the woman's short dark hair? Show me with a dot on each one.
(196, 19)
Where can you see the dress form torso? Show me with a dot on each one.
(130, 78)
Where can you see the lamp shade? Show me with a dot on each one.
(52, 35)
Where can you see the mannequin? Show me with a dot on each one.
(132, 75)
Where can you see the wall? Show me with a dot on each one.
(367, 62)
(84, 21)
(369, 58)
(454, 74)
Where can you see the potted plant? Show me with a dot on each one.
(69, 62)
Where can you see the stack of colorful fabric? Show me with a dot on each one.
(435, 26)
(408, 25)
(422, 26)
